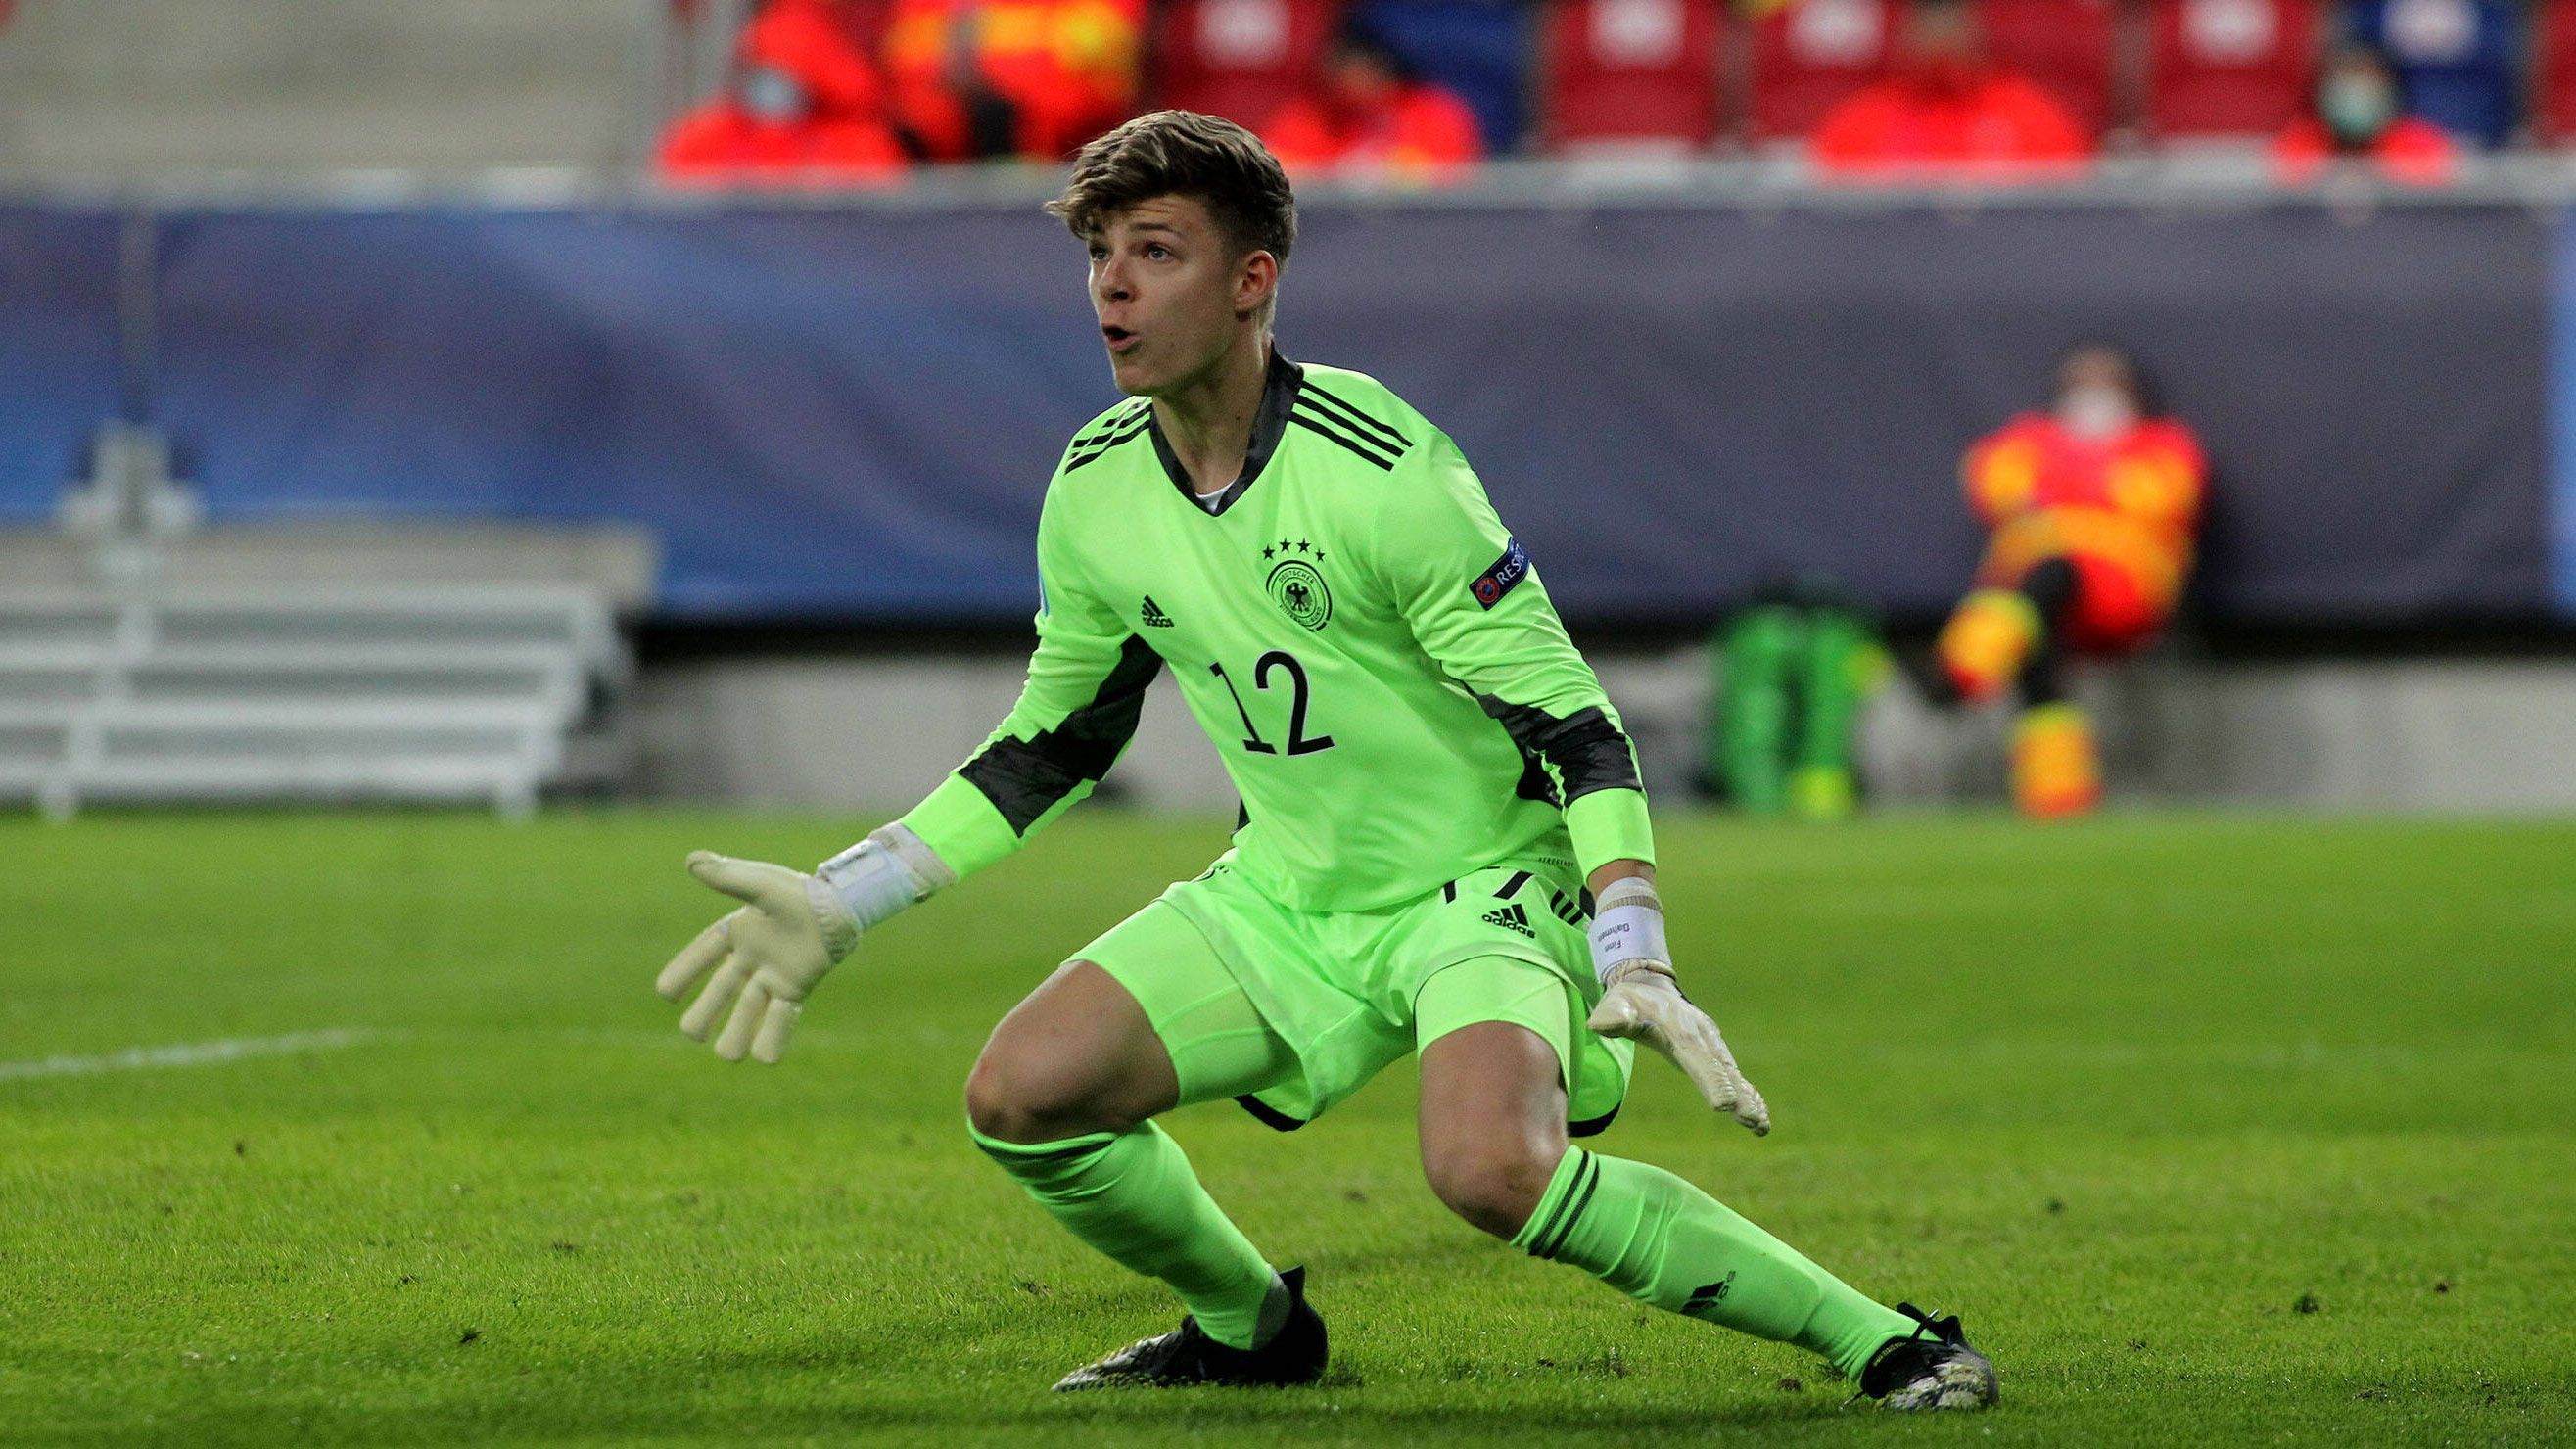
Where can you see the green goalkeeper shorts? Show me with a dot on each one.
(1291, 1011)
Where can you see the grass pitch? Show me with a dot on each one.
(2215, 1130)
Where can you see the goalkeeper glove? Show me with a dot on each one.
(1643, 1003)
(762, 959)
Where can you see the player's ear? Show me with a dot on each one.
(1255, 282)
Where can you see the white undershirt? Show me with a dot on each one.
(1208, 500)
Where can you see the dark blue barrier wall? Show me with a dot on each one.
(824, 414)
(852, 414)
(1686, 402)
(58, 350)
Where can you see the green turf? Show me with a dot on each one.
(2216, 1130)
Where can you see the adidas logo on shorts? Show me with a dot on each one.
(1511, 918)
(1155, 618)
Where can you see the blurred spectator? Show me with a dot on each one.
(804, 106)
(2091, 509)
(1371, 113)
(1482, 51)
(2458, 62)
(1946, 108)
(2356, 118)
(1032, 79)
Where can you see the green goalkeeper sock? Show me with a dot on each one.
(1662, 1241)
(1132, 1196)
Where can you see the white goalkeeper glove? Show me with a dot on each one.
(791, 929)
(1643, 1003)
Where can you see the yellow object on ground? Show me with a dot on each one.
(2056, 771)
(1822, 792)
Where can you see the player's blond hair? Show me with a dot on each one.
(1184, 153)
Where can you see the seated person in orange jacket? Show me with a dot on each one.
(1370, 113)
(804, 107)
(2357, 118)
(1946, 109)
(1032, 79)
(2092, 509)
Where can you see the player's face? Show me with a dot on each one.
(1171, 292)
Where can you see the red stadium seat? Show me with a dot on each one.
(1631, 74)
(2230, 67)
(2554, 71)
(1240, 59)
(2064, 45)
(1811, 55)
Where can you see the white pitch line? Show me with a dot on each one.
(185, 1054)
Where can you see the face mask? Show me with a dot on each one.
(772, 94)
(2096, 413)
(2356, 109)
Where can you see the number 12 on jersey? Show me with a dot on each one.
(1298, 743)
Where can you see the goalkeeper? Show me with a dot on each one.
(1444, 847)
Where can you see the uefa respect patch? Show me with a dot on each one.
(1499, 580)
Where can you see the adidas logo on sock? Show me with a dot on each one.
(1155, 618)
(1511, 918)
(1704, 1303)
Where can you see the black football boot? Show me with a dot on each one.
(1932, 1368)
(1187, 1357)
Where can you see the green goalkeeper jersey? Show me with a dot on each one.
(1371, 651)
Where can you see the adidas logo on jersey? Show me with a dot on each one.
(1511, 918)
(1155, 618)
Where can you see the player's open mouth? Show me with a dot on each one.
(1120, 339)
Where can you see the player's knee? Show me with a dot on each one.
(1015, 1099)
(1494, 1185)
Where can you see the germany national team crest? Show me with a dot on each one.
(1297, 586)
(1300, 590)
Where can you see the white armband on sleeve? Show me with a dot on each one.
(884, 873)
(1628, 925)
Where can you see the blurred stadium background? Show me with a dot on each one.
(392, 410)
(477, 413)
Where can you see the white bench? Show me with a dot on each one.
(475, 692)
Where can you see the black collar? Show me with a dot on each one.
(1278, 394)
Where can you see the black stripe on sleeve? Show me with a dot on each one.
(1025, 778)
(1367, 426)
(1535, 784)
(1585, 749)
(1093, 454)
(1342, 440)
(1117, 421)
